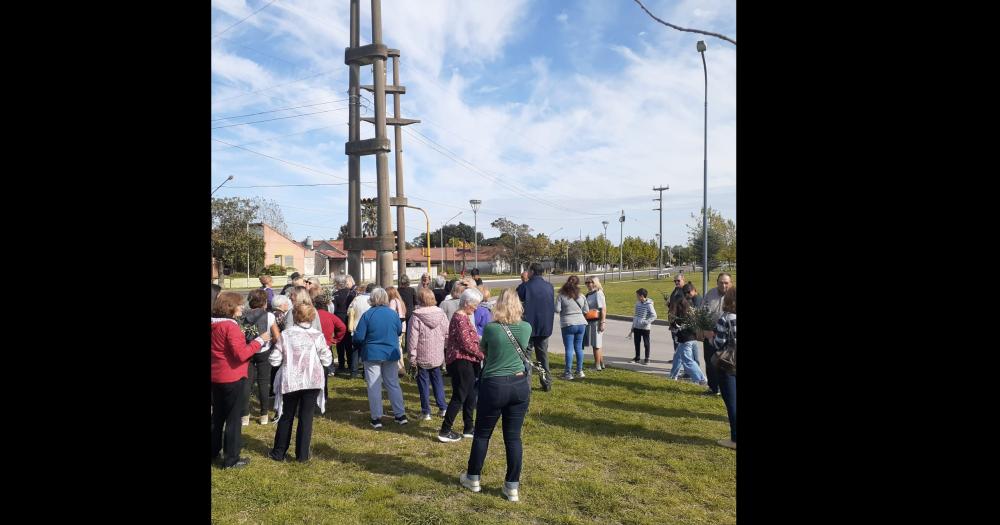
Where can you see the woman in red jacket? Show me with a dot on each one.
(333, 330)
(230, 355)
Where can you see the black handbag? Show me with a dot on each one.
(528, 363)
(725, 359)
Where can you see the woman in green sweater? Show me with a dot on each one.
(504, 390)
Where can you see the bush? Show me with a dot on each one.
(274, 269)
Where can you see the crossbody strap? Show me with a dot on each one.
(517, 345)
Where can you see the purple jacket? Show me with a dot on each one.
(483, 316)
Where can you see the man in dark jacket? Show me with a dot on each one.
(293, 280)
(538, 297)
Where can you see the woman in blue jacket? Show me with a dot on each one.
(377, 334)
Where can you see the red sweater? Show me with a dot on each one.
(230, 351)
(333, 328)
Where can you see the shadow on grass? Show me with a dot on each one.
(390, 464)
(654, 410)
(603, 428)
(631, 385)
(255, 445)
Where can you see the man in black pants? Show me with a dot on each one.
(225, 397)
(538, 297)
(713, 301)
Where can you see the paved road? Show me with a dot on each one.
(558, 280)
(618, 351)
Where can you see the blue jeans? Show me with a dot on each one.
(426, 378)
(727, 387)
(573, 341)
(507, 396)
(684, 356)
(377, 373)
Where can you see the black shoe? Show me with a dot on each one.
(709, 392)
(242, 462)
(402, 420)
(376, 424)
(636, 361)
(467, 433)
(645, 361)
(275, 457)
(449, 437)
(547, 387)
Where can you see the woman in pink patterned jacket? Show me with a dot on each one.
(464, 360)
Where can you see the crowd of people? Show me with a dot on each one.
(284, 345)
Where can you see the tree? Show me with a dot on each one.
(461, 231)
(269, 212)
(718, 231)
(512, 236)
(343, 232)
(369, 219)
(231, 240)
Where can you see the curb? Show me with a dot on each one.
(658, 322)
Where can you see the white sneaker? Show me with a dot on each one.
(581, 375)
(427, 417)
(568, 377)
(727, 443)
(245, 420)
(263, 419)
(510, 494)
(472, 485)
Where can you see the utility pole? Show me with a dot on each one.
(659, 269)
(475, 221)
(605, 224)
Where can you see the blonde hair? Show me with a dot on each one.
(597, 283)
(426, 297)
(508, 309)
(299, 295)
(304, 313)
(484, 290)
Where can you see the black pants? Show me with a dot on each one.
(227, 398)
(711, 373)
(463, 394)
(638, 333)
(301, 403)
(344, 348)
(541, 346)
(260, 374)
(500, 396)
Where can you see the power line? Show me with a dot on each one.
(244, 20)
(277, 85)
(285, 135)
(292, 185)
(302, 166)
(462, 162)
(279, 109)
(280, 118)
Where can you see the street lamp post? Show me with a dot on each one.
(442, 238)
(605, 223)
(220, 185)
(621, 244)
(704, 205)
(475, 222)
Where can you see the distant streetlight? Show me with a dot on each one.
(606, 243)
(220, 185)
(475, 221)
(442, 238)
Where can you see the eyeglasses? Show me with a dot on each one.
(678, 282)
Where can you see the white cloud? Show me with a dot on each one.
(590, 142)
(562, 17)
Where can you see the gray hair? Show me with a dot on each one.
(378, 297)
(439, 281)
(470, 296)
(281, 300)
(340, 281)
(457, 289)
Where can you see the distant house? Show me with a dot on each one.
(330, 260)
(289, 253)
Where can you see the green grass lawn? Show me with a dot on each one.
(621, 296)
(616, 447)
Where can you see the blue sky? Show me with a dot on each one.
(557, 114)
